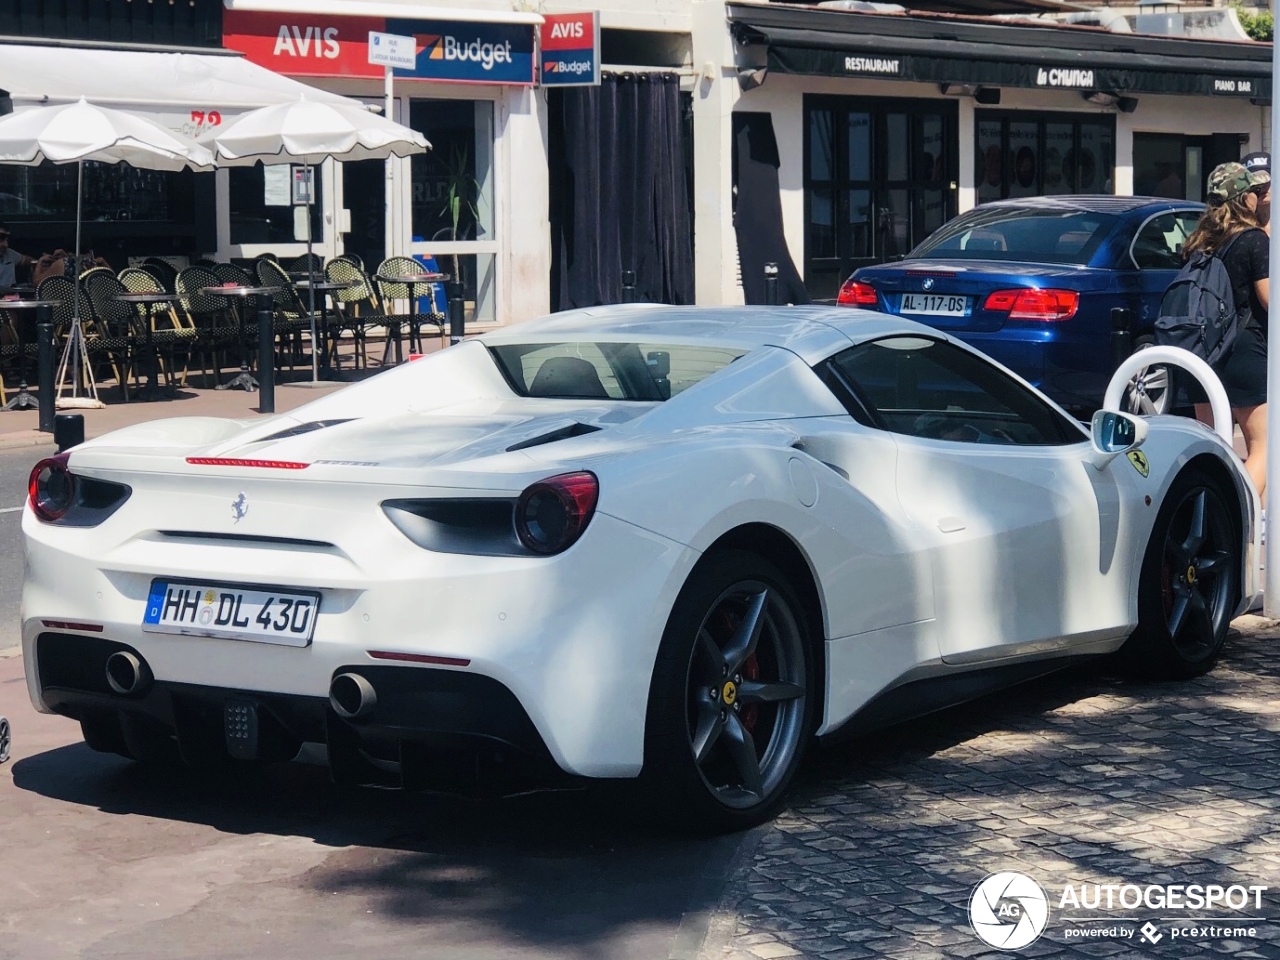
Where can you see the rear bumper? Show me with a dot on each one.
(430, 729)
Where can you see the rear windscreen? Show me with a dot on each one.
(608, 371)
(1020, 233)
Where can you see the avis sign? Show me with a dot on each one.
(570, 49)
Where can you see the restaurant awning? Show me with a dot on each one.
(940, 48)
(187, 92)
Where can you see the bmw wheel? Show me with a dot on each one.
(1151, 390)
(5, 739)
(1190, 582)
(731, 703)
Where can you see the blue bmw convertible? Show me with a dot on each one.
(1032, 283)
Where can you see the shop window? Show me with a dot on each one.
(112, 192)
(1020, 156)
(453, 181)
(262, 207)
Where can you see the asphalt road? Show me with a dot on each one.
(15, 465)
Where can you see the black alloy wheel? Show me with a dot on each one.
(1190, 582)
(730, 709)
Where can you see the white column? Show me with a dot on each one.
(523, 198)
(715, 248)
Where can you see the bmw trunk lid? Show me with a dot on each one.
(952, 294)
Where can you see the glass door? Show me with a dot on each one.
(879, 177)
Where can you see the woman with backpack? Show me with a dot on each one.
(1233, 229)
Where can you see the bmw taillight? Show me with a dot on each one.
(59, 496)
(52, 488)
(1032, 304)
(552, 514)
(856, 293)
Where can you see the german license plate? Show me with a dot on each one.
(935, 304)
(234, 612)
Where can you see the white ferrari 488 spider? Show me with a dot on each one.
(664, 544)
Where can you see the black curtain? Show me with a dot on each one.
(757, 211)
(619, 193)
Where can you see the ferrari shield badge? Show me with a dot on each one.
(1140, 462)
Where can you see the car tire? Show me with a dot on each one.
(1152, 389)
(730, 707)
(1189, 584)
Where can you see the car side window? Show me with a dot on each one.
(1158, 245)
(920, 387)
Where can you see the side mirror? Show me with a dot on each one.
(1115, 433)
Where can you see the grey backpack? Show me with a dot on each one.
(1198, 311)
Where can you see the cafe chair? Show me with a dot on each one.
(233, 273)
(300, 264)
(113, 331)
(173, 336)
(358, 307)
(292, 316)
(212, 319)
(391, 291)
(165, 272)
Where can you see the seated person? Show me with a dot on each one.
(11, 261)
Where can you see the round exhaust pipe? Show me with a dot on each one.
(352, 696)
(126, 674)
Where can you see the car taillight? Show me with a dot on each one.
(552, 514)
(1032, 304)
(855, 293)
(52, 488)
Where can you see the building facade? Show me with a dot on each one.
(726, 135)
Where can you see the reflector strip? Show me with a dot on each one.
(68, 625)
(419, 658)
(237, 462)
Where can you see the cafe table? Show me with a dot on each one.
(243, 380)
(324, 288)
(413, 281)
(23, 398)
(146, 304)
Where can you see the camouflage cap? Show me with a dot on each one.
(1230, 180)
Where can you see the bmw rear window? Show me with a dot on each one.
(1020, 233)
(592, 370)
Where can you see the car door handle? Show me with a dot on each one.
(950, 524)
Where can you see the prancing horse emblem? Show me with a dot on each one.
(240, 507)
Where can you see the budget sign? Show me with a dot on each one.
(570, 53)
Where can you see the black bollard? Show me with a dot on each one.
(266, 356)
(771, 284)
(628, 286)
(68, 430)
(44, 366)
(1121, 335)
(457, 314)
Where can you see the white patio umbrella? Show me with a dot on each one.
(80, 131)
(309, 131)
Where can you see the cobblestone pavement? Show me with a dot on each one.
(1080, 778)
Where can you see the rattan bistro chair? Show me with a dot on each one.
(211, 319)
(358, 306)
(392, 291)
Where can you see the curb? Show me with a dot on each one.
(24, 438)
